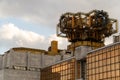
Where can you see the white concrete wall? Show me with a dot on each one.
(81, 51)
(22, 59)
(18, 59)
(10, 74)
(4, 65)
(57, 58)
(1, 59)
(47, 60)
(34, 60)
(67, 56)
(14, 59)
(1, 74)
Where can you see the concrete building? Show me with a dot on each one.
(87, 58)
(26, 63)
(34, 64)
(99, 64)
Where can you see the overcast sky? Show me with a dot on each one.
(32, 23)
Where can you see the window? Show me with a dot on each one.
(106, 65)
(61, 71)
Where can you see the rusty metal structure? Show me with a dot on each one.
(87, 29)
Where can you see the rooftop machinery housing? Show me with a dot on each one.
(86, 58)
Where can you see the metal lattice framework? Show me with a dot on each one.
(93, 26)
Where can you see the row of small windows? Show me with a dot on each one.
(61, 71)
(108, 50)
(104, 64)
(103, 56)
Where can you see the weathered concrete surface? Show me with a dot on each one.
(14, 59)
(9, 74)
(1, 59)
(1, 74)
(47, 60)
(57, 58)
(16, 65)
(19, 59)
(81, 51)
(34, 60)
(67, 56)
(4, 65)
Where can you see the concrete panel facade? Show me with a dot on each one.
(34, 60)
(4, 65)
(10, 74)
(47, 60)
(1, 74)
(19, 59)
(14, 59)
(1, 61)
(81, 52)
(67, 56)
(57, 58)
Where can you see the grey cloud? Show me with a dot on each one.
(47, 12)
